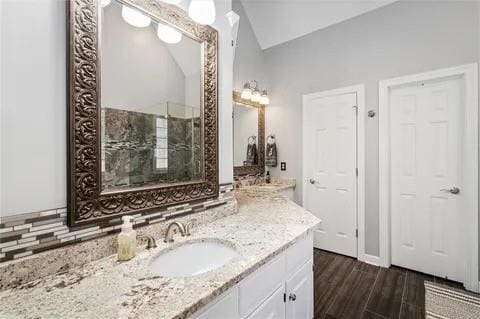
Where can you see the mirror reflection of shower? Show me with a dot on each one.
(141, 148)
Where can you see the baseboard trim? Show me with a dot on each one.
(370, 259)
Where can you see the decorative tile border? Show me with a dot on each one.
(27, 234)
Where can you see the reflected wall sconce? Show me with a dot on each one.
(168, 34)
(251, 92)
(135, 17)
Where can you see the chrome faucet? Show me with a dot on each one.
(150, 240)
(170, 231)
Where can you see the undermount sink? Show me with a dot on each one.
(192, 259)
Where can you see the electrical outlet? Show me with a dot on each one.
(283, 166)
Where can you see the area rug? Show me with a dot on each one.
(444, 302)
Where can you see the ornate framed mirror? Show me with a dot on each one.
(142, 109)
(248, 137)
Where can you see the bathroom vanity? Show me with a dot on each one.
(271, 272)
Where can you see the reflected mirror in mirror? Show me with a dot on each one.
(151, 118)
(245, 135)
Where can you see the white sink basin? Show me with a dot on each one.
(192, 259)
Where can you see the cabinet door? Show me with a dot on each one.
(261, 284)
(300, 293)
(272, 308)
(226, 307)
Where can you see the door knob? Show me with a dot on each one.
(453, 190)
(312, 181)
(292, 297)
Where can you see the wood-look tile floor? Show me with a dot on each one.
(347, 288)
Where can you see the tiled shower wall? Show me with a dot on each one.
(28, 234)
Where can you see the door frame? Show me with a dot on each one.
(360, 216)
(469, 73)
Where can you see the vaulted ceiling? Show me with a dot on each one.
(278, 21)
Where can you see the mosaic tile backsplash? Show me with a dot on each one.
(27, 234)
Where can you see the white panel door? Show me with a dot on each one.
(426, 148)
(299, 290)
(330, 188)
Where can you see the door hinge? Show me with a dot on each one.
(284, 297)
(356, 171)
(356, 232)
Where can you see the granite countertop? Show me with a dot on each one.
(265, 225)
(259, 186)
(277, 185)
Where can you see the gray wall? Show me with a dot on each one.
(399, 39)
(249, 63)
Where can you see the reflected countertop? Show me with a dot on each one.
(265, 225)
(258, 186)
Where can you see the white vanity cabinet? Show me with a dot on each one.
(280, 289)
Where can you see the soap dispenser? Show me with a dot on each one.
(127, 240)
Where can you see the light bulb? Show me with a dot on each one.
(255, 96)
(264, 100)
(202, 11)
(135, 18)
(247, 92)
(168, 34)
(104, 3)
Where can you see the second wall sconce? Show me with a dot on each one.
(252, 92)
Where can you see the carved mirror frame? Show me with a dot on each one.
(259, 169)
(87, 203)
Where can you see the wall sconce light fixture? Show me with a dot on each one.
(252, 92)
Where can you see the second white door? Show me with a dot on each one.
(330, 159)
(426, 185)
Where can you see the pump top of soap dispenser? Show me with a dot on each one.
(127, 225)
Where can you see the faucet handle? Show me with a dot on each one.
(150, 240)
(189, 226)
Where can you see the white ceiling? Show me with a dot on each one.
(278, 21)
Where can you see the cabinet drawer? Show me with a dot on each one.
(261, 284)
(300, 253)
(225, 307)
